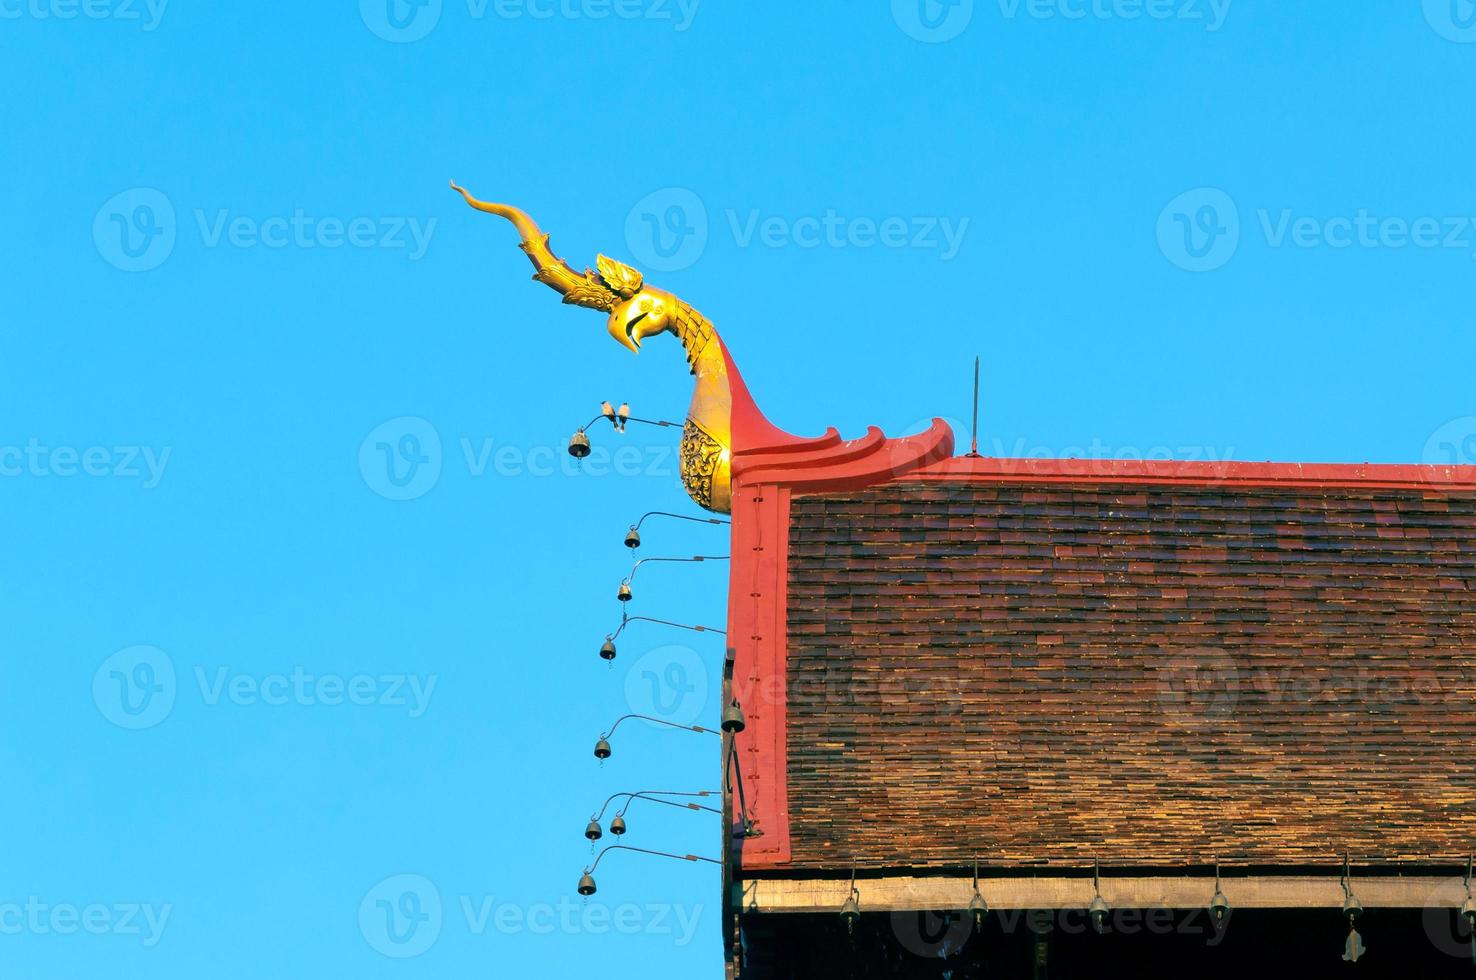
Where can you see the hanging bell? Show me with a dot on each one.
(1468, 912)
(579, 444)
(733, 720)
(593, 831)
(617, 826)
(607, 649)
(624, 594)
(602, 749)
(1219, 906)
(586, 885)
(850, 912)
(1353, 948)
(1098, 911)
(978, 908)
(632, 538)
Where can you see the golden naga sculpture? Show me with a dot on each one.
(637, 311)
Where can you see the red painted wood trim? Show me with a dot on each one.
(757, 632)
(1367, 475)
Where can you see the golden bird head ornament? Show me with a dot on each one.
(636, 311)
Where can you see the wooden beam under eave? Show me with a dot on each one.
(902, 894)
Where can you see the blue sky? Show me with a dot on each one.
(253, 677)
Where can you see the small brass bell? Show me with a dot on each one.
(579, 444)
(607, 650)
(632, 538)
(1353, 948)
(851, 912)
(586, 885)
(593, 831)
(733, 720)
(602, 749)
(624, 594)
(1219, 906)
(617, 826)
(1098, 911)
(978, 908)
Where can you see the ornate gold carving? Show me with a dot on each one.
(695, 331)
(703, 460)
(637, 311)
(619, 276)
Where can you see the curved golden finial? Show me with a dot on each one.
(636, 311)
(580, 290)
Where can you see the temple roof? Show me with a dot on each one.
(1142, 674)
(1048, 662)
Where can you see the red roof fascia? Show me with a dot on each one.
(1200, 473)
